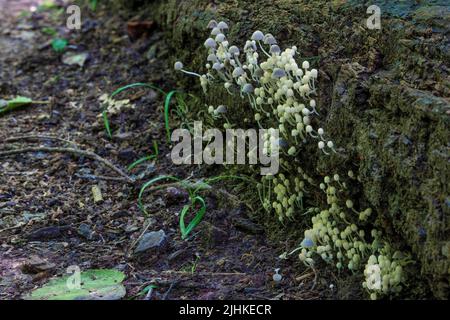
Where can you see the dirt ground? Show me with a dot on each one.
(48, 218)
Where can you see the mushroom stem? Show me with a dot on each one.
(190, 73)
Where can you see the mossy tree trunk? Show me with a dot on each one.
(383, 99)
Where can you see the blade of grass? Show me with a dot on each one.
(166, 112)
(185, 231)
(150, 157)
(139, 161)
(106, 123)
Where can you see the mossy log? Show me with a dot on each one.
(383, 99)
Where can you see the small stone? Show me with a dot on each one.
(153, 239)
(85, 231)
(71, 58)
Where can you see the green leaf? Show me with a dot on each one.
(18, 102)
(59, 44)
(185, 231)
(7, 105)
(106, 123)
(102, 284)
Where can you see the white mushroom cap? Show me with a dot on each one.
(233, 50)
(222, 25)
(215, 31)
(275, 49)
(269, 39)
(257, 35)
(278, 73)
(217, 66)
(221, 109)
(220, 37)
(250, 45)
(237, 72)
(178, 65)
(212, 24)
(248, 88)
(212, 57)
(210, 43)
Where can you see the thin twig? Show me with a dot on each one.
(87, 154)
(37, 137)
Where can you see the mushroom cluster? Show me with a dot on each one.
(384, 273)
(272, 81)
(281, 93)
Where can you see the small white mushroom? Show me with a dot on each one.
(215, 31)
(178, 65)
(269, 39)
(278, 73)
(212, 58)
(210, 43)
(212, 24)
(217, 66)
(220, 37)
(277, 277)
(248, 88)
(222, 25)
(221, 109)
(237, 72)
(233, 50)
(275, 49)
(257, 35)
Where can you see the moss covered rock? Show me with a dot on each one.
(383, 97)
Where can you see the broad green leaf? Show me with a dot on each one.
(18, 101)
(101, 284)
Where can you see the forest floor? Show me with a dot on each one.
(48, 217)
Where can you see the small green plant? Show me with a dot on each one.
(93, 4)
(194, 198)
(146, 158)
(59, 44)
(116, 92)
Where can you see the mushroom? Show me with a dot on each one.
(233, 50)
(210, 43)
(248, 88)
(275, 49)
(179, 67)
(212, 24)
(257, 35)
(222, 25)
(212, 58)
(278, 73)
(269, 39)
(215, 31)
(220, 37)
(237, 72)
